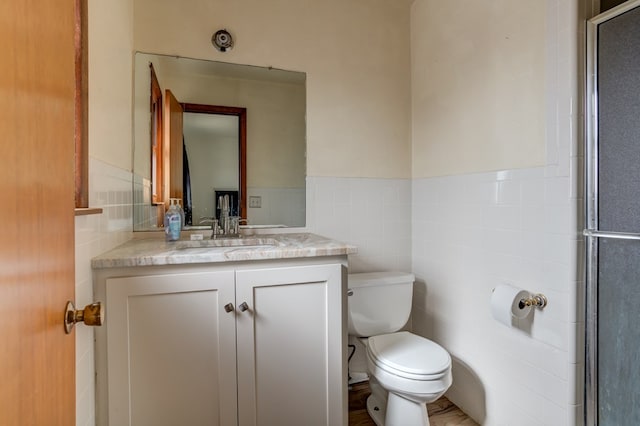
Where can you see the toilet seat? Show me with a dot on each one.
(409, 356)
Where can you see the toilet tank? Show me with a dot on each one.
(378, 302)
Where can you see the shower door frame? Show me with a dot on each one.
(591, 231)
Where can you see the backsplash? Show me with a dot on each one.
(111, 189)
(145, 215)
(373, 214)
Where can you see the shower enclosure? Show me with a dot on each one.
(612, 393)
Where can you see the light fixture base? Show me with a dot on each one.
(222, 40)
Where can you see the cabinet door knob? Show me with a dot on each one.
(228, 307)
(243, 306)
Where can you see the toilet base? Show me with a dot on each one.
(402, 412)
(389, 409)
(377, 410)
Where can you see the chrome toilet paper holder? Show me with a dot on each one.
(537, 300)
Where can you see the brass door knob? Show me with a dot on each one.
(92, 314)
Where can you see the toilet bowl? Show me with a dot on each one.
(410, 372)
(406, 371)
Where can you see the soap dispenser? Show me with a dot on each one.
(172, 221)
(181, 210)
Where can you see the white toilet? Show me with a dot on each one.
(406, 371)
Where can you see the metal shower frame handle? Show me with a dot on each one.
(609, 234)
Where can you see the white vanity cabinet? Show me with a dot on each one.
(223, 344)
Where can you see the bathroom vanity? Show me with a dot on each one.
(205, 333)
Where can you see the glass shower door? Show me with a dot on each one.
(613, 218)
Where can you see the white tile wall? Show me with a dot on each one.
(461, 235)
(373, 214)
(111, 189)
(521, 227)
(145, 215)
(473, 232)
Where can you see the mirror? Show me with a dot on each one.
(274, 149)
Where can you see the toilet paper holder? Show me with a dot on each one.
(537, 300)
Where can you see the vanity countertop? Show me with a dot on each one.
(156, 251)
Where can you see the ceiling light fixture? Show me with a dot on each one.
(222, 40)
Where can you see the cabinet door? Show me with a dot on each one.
(171, 350)
(291, 346)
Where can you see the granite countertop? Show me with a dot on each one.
(156, 251)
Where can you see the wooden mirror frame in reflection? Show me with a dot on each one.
(241, 114)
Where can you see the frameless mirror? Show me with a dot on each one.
(211, 156)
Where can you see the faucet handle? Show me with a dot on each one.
(212, 221)
(215, 229)
(233, 225)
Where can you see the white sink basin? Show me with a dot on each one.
(228, 243)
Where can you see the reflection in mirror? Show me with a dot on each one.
(218, 136)
(275, 103)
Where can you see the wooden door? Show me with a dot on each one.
(37, 358)
(173, 146)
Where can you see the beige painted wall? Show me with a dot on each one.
(478, 85)
(110, 68)
(355, 54)
(476, 105)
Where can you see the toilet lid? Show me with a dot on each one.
(409, 353)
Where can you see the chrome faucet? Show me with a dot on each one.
(223, 203)
(227, 226)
